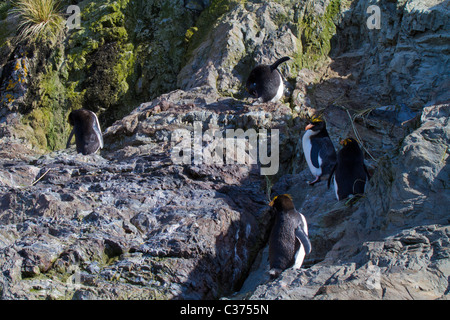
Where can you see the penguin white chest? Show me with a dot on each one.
(280, 90)
(335, 188)
(307, 146)
(98, 132)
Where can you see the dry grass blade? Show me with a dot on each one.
(357, 136)
(38, 19)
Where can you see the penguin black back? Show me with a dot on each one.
(265, 82)
(350, 172)
(288, 234)
(88, 135)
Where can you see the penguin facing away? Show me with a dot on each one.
(318, 149)
(288, 242)
(88, 135)
(349, 173)
(265, 82)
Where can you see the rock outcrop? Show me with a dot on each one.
(132, 224)
(394, 243)
(163, 211)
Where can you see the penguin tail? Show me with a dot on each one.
(275, 273)
(278, 62)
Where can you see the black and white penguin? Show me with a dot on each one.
(88, 135)
(318, 149)
(350, 173)
(289, 242)
(265, 82)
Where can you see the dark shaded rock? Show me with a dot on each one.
(394, 243)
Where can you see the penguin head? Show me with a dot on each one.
(251, 89)
(350, 149)
(282, 203)
(254, 84)
(78, 115)
(71, 118)
(316, 124)
(349, 143)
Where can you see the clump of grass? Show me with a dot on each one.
(38, 19)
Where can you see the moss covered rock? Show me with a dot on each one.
(231, 37)
(128, 52)
(124, 53)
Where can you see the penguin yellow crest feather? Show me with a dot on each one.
(346, 141)
(315, 119)
(273, 200)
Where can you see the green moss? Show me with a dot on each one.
(125, 53)
(46, 119)
(100, 57)
(190, 33)
(6, 31)
(208, 20)
(315, 33)
(4, 7)
(159, 32)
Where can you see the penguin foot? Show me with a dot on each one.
(311, 183)
(274, 273)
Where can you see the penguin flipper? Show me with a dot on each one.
(328, 154)
(70, 138)
(315, 149)
(98, 131)
(304, 239)
(331, 175)
(367, 172)
(323, 154)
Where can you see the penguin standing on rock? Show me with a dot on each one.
(88, 135)
(289, 242)
(265, 82)
(350, 172)
(318, 149)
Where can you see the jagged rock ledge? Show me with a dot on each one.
(130, 224)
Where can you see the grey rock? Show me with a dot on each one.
(393, 244)
(402, 266)
(130, 223)
(251, 34)
(403, 57)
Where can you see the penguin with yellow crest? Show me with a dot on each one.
(318, 149)
(350, 173)
(289, 242)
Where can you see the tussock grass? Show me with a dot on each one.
(39, 20)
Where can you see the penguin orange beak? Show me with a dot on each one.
(309, 126)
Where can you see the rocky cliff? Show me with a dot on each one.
(131, 222)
